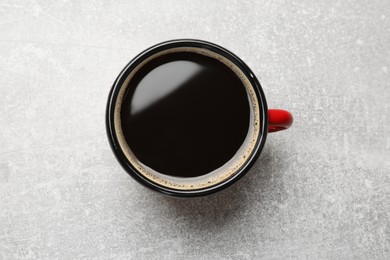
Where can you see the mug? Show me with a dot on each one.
(188, 118)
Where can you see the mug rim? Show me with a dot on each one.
(118, 83)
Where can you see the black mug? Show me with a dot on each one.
(188, 118)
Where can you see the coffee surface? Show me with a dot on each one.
(185, 114)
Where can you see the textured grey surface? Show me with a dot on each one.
(320, 190)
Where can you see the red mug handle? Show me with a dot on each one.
(279, 119)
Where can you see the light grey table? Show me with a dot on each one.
(320, 190)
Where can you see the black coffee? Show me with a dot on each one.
(185, 114)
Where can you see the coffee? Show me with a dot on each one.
(185, 114)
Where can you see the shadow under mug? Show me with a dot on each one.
(268, 120)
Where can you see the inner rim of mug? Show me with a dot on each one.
(221, 174)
